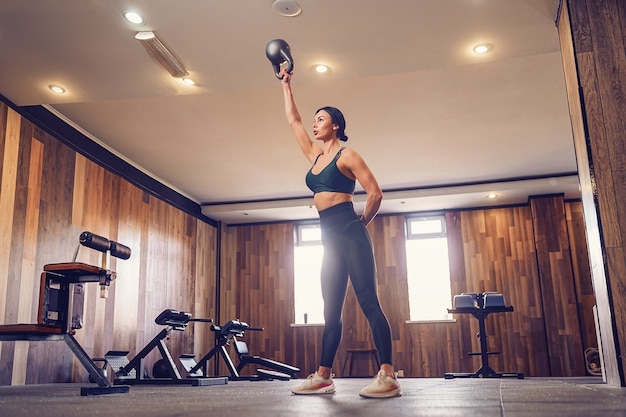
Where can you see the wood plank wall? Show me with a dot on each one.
(498, 254)
(582, 272)
(49, 194)
(593, 47)
(257, 288)
(557, 286)
(491, 250)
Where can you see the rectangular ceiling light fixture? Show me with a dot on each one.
(161, 54)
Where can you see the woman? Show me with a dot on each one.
(347, 245)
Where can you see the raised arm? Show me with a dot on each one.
(308, 147)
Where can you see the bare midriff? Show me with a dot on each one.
(327, 199)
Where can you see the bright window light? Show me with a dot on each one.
(308, 253)
(428, 270)
(425, 226)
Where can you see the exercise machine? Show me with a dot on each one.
(61, 306)
(164, 371)
(226, 334)
(480, 306)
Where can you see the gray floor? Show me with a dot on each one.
(535, 397)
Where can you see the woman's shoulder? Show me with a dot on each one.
(349, 153)
(345, 151)
(350, 158)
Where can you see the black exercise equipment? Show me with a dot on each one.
(480, 306)
(279, 54)
(61, 307)
(164, 370)
(223, 336)
(103, 245)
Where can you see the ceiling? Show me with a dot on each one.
(439, 126)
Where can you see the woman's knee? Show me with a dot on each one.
(332, 316)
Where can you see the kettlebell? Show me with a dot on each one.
(278, 52)
(160, 369)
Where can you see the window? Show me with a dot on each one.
(428, 270)
(309, 306)
(427, 267)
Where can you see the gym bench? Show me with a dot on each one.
(60, 307)
(164, 370)
(223, 336)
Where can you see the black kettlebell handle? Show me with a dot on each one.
(278, 52)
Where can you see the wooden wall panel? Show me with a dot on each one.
(206, 287)
(176, 261)
(582, 273)
(10, 152)
(56, 242)
(256, 252)
(593, 46)
(498, 254)
(27, 302)
(434, 350)
(556, 280)
(259, 288)
(490, 250)
(463, 334)
(49, 194)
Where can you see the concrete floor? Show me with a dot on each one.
(537, 397)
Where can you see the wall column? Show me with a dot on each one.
(593, 46)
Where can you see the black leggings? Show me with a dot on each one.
(348, 252)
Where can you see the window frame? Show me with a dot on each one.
(429, 216)
(426, 217)
(304, 225)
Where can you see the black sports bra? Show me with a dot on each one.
(330, 179)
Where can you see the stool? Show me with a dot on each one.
(370, 353)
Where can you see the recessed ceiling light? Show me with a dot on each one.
(288, 8)
(133, 17)
(144, 36)
(321, 68)
(483, 48)
(56, 89)
(492, 195)
(188, 81)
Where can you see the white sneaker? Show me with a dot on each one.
(315, 384)
(383, 386)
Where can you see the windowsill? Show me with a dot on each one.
(430, 321)
(405, 322)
